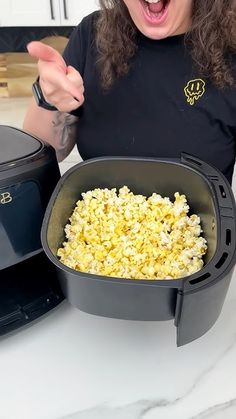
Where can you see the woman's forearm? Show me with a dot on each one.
(56, 128)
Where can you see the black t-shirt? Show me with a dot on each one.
(161, 108)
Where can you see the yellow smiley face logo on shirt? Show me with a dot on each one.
(194, 90)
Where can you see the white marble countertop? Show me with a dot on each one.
(72, 365)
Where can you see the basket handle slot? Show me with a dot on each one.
(222, 260)
(193, 161)
(222, 191)
(200, 278)
(228, 237)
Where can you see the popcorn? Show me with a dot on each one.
(131, 236)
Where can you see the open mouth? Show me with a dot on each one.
(155, 11)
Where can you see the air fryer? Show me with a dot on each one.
(194, 302)
(28, 174)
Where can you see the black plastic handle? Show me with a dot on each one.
(52, 10)
(65, 9)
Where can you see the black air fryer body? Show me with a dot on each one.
(28, 175)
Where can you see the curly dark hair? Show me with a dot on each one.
(211, 39)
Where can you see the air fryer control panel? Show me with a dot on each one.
(21, 214)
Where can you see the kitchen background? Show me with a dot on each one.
(50, 21)
(72, 365)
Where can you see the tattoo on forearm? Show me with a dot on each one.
(65, 130)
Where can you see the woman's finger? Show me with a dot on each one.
(46, 53)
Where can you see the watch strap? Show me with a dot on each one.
(39, 97)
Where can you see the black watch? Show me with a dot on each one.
(39, 97)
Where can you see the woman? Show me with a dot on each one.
(143, 78)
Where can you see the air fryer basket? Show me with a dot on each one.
(195, 302)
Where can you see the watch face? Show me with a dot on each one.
(39, 98)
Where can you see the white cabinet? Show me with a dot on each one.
(29, 13)
(73, 11)
(44, 12)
